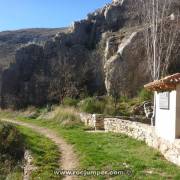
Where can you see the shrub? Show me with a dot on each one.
(109, 107)
(67, 117)
(109, 110)
(11, 141)
(124, 109)
(92, 105)
(124, 99)
(70, 102)
(145, 95)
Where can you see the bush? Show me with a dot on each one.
(145, 95)
(109, 106)
(105, 106)
(11, 141)
(67, 117)
(70, 102)
(92, 105)
(124, 99)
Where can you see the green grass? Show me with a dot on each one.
(44, 152)
(66, 117)
(11, 152)
(67, 101)
(100, 151)
(110, 151)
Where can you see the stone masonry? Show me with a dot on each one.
(95, 121)
(143, 132)
(137, 130)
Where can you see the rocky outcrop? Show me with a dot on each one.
(127, 62)
(44, 65)
(11, 41)
(25, 81)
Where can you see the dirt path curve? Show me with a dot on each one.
(68, 159)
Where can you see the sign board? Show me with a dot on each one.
(164, 100)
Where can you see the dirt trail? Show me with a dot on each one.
(68, 159)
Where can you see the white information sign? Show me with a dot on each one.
(164, 98)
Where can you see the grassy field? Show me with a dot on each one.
(101, 151)
(44, 152)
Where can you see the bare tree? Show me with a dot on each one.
(117, 84)
(115, 92)
(161, 27)
(63, 84)
(160, 35)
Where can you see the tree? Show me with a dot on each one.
(161, 27)
(66, 84)
(115, 91)
(63, 83)
(117, 84)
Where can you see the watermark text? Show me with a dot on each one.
(127, 172)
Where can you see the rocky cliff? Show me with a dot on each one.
(44, 65)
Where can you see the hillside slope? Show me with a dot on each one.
(10, 41)
(81, 60)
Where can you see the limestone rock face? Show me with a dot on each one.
(39, 66)
(25, 81)
(127, 63)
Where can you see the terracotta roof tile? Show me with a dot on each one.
(166, 84)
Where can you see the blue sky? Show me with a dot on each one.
(18, 14)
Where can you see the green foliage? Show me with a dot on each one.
(92, 105)
(145, 95)
(70, 101)
(109, 107)
(67, 117)
(124, 99)
(11, 152)
(105, 106)
(11, 141)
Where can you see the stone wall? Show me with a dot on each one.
(171, 151)
(87, 119)
(95, 121)
(99, 121)
(137, 130)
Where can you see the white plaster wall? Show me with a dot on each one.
(178, 112)
(165, 119)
